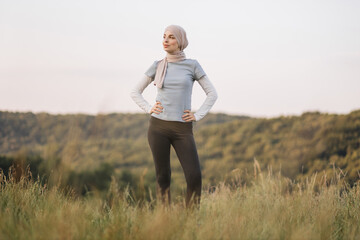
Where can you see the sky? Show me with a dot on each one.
(265, 58)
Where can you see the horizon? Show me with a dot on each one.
(224, 113)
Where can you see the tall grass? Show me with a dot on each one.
(270, 207)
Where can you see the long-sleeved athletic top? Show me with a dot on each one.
(175, 94)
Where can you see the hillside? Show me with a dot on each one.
(298, 146)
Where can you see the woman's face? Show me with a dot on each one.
(169, 42)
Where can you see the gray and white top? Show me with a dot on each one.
(175, 95)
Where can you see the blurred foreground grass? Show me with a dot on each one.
(270, 207)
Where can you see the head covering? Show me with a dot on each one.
(180, 36)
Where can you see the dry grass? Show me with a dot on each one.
(271, 207)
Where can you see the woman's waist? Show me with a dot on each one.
(161, 122)
(175, 116)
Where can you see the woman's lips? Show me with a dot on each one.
(166, 45)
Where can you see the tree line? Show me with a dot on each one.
(86, 151)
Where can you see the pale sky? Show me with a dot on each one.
(265, 58)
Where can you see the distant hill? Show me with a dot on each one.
(296, 145)
(19, 129)
(299, 146)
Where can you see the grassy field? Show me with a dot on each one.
(270, 207)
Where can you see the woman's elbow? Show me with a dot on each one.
(214, 95)
(134, 93)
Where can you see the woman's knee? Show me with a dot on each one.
(164, 180)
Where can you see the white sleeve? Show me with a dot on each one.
(136, 94)
(211, 97)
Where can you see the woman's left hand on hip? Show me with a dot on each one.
(188, 116)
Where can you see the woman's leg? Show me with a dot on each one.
(160, 148)
(186, 151)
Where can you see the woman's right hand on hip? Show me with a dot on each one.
(157, 108)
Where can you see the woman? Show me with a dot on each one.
(171, 117)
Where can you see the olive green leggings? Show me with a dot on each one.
(161, 135)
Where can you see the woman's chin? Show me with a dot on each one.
(170, 52)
